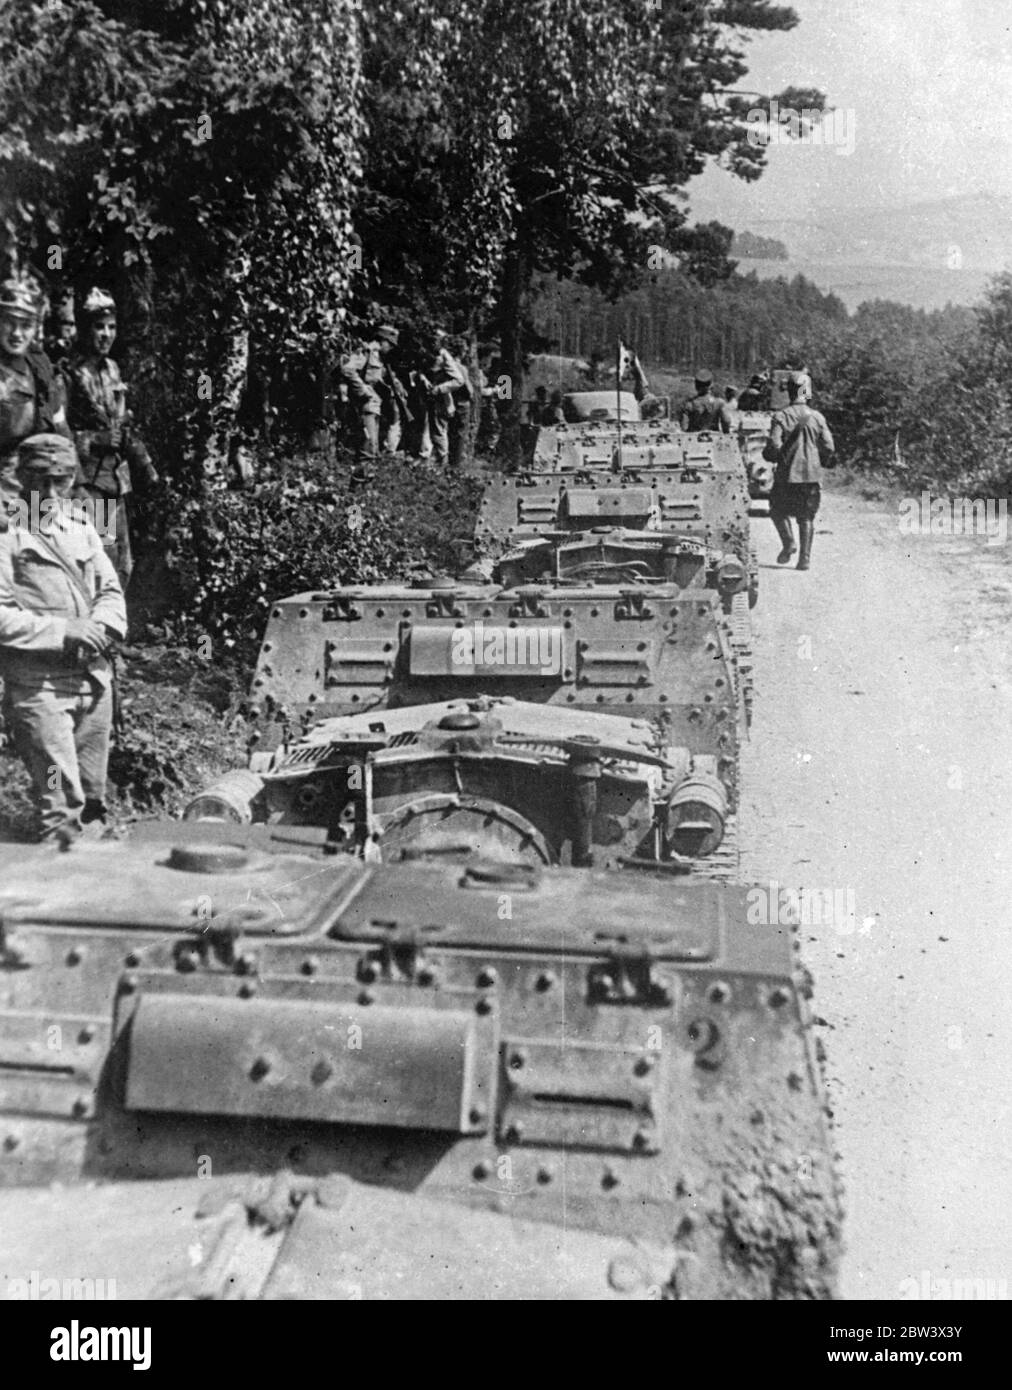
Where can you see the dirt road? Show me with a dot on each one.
(881, 768)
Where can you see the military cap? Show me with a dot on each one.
(703, 378)
(51, 454)
(99, 303)
(755, 380)
(389, 332)
(20, 295)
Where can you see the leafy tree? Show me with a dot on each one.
(548, 136)
(205, 164)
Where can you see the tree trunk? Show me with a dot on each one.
(511, 299)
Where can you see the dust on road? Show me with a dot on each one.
(881, 764)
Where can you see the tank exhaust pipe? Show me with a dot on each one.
(237, 797)
(697, 816)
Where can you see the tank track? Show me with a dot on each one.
(722, 866)
(740, 622)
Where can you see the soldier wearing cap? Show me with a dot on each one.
(705, 410)
(31, 398)
(113, 459)
(61, 608)
(801, 445)
(378, 398)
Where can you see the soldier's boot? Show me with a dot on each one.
(786, 533)
(807, 532)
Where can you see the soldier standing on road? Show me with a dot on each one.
(31, 395)
(801, 445)
(61, 607)
(378, 398)
(705, 411)
(113, 459)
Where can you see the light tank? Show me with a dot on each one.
(693, 486)
(226, 1073)
(493, 778)
(645, 651)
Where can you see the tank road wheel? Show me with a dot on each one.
(451, 826)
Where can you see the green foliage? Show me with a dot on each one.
(735, 326)
(310, 530)
(206, 167)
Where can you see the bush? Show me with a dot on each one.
(309, 529)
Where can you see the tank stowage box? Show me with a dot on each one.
(437, 1071)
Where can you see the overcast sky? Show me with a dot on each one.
(929, 83)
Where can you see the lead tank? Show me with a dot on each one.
(226, 1073)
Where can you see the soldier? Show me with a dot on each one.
(31, 399)
(377, 396)
(801, 445)
(449, 404)
(553, 413)
(59, 337)
(113, 459)
(651, 406)
(61, 607)
(537, 406)
(705, 411)
(752, 397)
(489, 429)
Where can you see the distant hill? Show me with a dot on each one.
(922, 287)
(971, 232)
(749, 246)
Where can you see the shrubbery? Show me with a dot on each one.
(309, 529)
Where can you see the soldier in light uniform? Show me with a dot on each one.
(801, 445)
(61, 607)
(704, 410)
(113, 459)
(449, 404)
(31, 397)
(377, 396)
